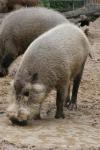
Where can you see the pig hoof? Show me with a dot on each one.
(20, 123)
(59, 115)
(72, 106)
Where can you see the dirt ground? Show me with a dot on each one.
(80, 130)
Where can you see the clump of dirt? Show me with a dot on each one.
(80, 130)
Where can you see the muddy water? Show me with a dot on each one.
(63, 133)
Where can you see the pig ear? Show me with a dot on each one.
(35, 77)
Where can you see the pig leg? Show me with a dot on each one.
(9, 55)
(61, 96)
(76, 83)
(68, 97)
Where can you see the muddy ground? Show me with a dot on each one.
(80, 130)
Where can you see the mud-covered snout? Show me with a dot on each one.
(18, 116)
(22, 115)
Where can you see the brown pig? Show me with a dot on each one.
(10, 5)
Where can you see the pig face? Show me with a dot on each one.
(25, 102)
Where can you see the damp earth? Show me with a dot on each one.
(80, 130)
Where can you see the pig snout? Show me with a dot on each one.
(18, 117)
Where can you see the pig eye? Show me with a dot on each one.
(26, 93)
